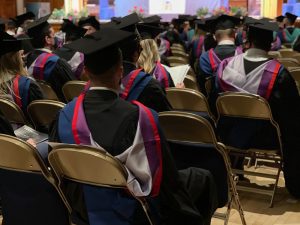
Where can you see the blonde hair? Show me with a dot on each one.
(11, 64)
(149, 55)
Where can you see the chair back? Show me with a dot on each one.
(289, 62)
(177, 46)
(47, 90)
(180, 49)
(287, 53)
(180, 54)
(73, 89)
(43, 112)
(25, 176)
(296, 75)
(191, 82)
(177, 59)
(12, 111)
(88, 165)
(274, 54)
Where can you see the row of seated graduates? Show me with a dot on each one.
(250, 44)
(55, 68)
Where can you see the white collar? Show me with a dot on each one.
(255, 55)
(226, 42)
(104, 88)
(44, 50)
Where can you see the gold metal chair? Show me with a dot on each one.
(289, 62)
(244, 105)
(176, 59)
(180, 54)
(43, 112)
(191, 82)
(287, 53)
(180, 49)
(92, 166)
(12, 112)
(189, 128)
(296, 75)
(73, 89)
(47, 90)
(177, 46)
(274, 54)
(19, 156)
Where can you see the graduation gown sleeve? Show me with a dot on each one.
(35, 92)
(5, 127)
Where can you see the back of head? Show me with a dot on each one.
(131, 48)
(149, 55)
(225, 34)
(261, 39)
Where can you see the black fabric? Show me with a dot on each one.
(153, 96)
(296, 46)
(5, 127)
(290, 29)
(252, 65)
(65, 53)
(29, 199)
(225, 51)
(61, 74)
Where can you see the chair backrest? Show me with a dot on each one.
(274, 54)
(177, 59)
(43, 112)
(47, 90)
(296, 75)
(73, 89)
(287, 53)
(12, 111)
(180, 49)
(191, 82)
(87, 165)
(177, 46)
(289, 62)
(19, 156)
(180, 54)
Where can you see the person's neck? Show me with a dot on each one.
(104, 84)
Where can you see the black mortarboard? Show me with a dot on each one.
(280, 18)
(100, 48)
(19, 20)
(2, 24)
(152, 19)
(34, 28)
(262, 24)
(222, 22)
(149, 32)
(91, 21)
(291, 17)
(128, 23)
(201, 24)
(9, 43)
(72, 30)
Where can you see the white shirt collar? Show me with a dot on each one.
(104, 88)
(45, 50)
(226, 42)
(256, 55)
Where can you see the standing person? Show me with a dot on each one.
(14, 80)
(254, 72)
(42, 63)
(75, 59)
(130, 127)
(90, 23)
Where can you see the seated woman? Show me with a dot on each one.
(149, 60)
(13, 76)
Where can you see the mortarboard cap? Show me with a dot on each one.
(222, 22)
(34, 28)
(72, 30)
(9, 43)
(262, 24)
(201, 24)
(100, 48)
(291, 17)
(152, 19)
(149, 32)
(280, 18)
(19, 20)
(91, 21)
(2, 24)
(128, 23)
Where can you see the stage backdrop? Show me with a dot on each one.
(167, 9)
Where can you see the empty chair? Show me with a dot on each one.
(29, 193)
(47, 90)
(193, 143)
(12, 112)
(100, 173)
(289, 62)
(73, 89)
(287, 53)
(43, 112)
(242, 119)
(176, 59)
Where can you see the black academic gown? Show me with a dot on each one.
(285, 105)
(153, 96)
(5, 127)
(61, 74)
(177, 189)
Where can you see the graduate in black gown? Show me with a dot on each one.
(90, 23)
(42, 64)
(186, 197)
(74, 58)
(15, 81)
(252, 72)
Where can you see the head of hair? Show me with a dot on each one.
(149, 55)
(224, 34)
(11, 64)
(261, 39)
(130, 48)
(38, 38)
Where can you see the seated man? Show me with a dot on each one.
(254, 72)
(42, 64)
(130, 132)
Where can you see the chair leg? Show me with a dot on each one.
(229, 207)
(275, 186)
